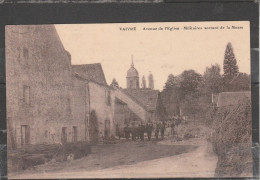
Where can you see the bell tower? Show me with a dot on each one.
(132, 77)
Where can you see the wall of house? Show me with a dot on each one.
(98, 103)
(80, 106)
(36, 60)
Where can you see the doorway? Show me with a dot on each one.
(75, 134)
(25, 134)
(63, 135)
(107, 128)
(93, 127)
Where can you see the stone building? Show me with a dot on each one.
(93, 101)
(38, 86)
(48, 99)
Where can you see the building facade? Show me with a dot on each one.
(38, 86)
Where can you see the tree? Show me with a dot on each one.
(190, 82)
(114, 83)
(242, 82)
(230, 63)
(170, 95)
(212, 79)
(170, 83)
(173, 82)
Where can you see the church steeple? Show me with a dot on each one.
(132, 77)
(132, 65)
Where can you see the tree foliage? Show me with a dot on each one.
(171, 82)
(114, 83)
(192, 92)
(212, 79)
(230, 63)
(190, 82)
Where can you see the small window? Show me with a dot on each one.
(75, 134)
(131, 84)
(108, 97)
(25, 53)
(26, 94)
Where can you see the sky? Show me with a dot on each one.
(158, 51)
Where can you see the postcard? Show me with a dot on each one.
(129, 100)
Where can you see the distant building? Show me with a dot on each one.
(150, 101)
(144, 104)
(132, 78)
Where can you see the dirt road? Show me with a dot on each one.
(135, 159)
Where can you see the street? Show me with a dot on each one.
(192, 158)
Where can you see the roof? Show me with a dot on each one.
(77, 76)
(132, 72)
(91, 72)
(232, 98)
(117, 100)
(146, 97)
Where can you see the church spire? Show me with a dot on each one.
(132, 65)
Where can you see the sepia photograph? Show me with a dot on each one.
(129, 100)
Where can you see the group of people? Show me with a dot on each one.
(138, 131)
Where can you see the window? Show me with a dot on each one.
(26, 94)
(131, 84)
(108, 97)
(25, 53)
(25, 134)
(75, 134)
(63, 135)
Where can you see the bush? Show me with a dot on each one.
(232, 140)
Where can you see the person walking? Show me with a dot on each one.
(172, 128)
(118, 131)
(133, 131)
(149, 129)
(157, 129)
(162, 129)
(127, 132)
(141, 131)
